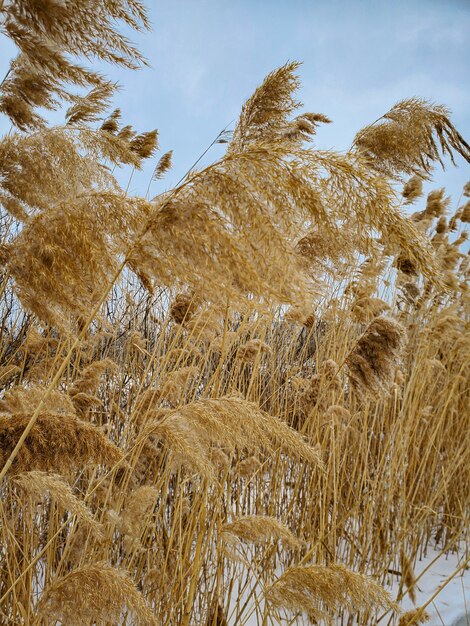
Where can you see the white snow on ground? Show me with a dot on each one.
(452, 606)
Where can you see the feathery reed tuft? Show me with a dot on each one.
(414, 617)
(39, 484)
(259, 529)
(320, 590)
(372, 362)
(410, 138)
(104, 593)
(57, 442)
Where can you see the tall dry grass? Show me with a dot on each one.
(246, 399)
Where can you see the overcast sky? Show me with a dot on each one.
(359, 58)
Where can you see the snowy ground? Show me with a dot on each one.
(452, 606)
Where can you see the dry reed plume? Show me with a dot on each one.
(416, 616)
(39, 484)
(321, 590)
(105, 592)
(57, 442)
(372, 361)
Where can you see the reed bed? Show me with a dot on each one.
(246, 400)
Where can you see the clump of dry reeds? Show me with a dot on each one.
(47, 35)
(236, 399)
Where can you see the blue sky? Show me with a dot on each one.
(359, 58)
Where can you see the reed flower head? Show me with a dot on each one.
(50, 37)
(465, 215)
(320, 590)
(436, 203)
(98, 593)
(164, 164)
(40, 484)
(412, 189)
(415, 617)
(410, 138)
(372, 362)
(259, 529)
(183, 307)
(249, 351)
(57, 442)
